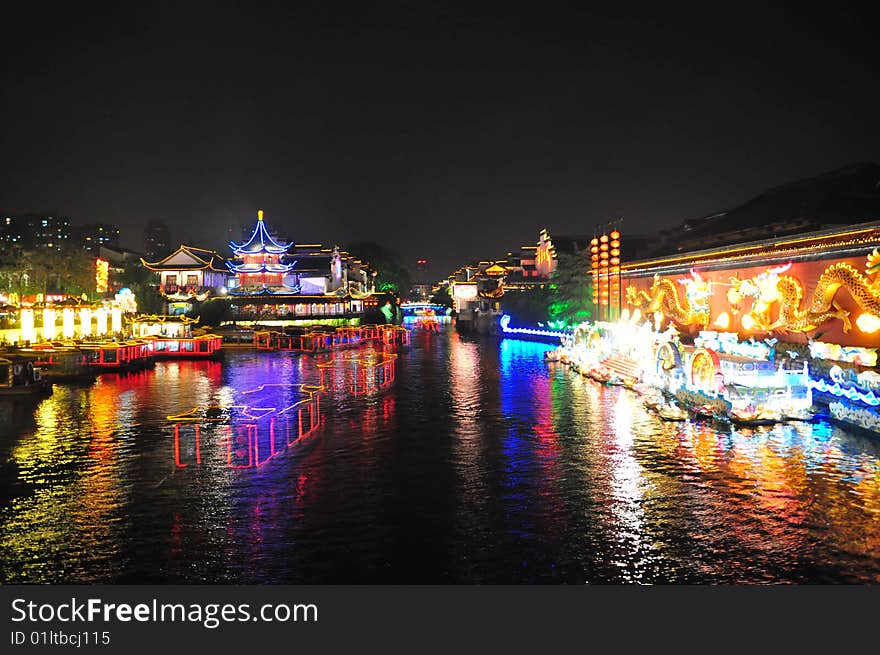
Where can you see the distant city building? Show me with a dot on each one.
(157, 239)
(94, 235)
(35, 231)
(117, 259)
(421, 290)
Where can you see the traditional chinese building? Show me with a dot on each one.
(189, 275)
(262, 267)
(283, 283)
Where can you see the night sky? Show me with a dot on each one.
(447, 135)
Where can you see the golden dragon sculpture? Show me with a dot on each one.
(771, 287)
(663, 297)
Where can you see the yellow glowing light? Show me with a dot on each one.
(85, 321)
(747, 322)
(116, 319)
(102, 274)
(615, 234)
(48, 323)
(259, 214)
(27, 325)
(722, 320)
(868, 323)
(101, 317)
(68, 323)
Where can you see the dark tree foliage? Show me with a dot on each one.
(139, 279)
(571, 290)
(393, 274)
(211, 312)
(442, 297)
(68, 270)
(527, 307)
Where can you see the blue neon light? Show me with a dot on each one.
(261, 232)
(869, 398)
(504, 322)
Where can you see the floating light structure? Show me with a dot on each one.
(27, 325)
(85, 321)
(101, 319)
(48, 323)
(116, 319)
(68, 320)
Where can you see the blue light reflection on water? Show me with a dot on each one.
(482, 463)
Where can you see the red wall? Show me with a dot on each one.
(807, 273)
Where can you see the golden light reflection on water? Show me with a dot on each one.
(68, 520)
(528, 466)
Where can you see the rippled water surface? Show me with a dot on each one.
(478, 464)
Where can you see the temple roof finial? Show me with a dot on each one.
(259, 214)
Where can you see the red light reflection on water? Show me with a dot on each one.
(244, 445)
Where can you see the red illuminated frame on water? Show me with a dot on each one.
(245, 445)
(361, 374)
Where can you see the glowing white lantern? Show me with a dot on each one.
(68, 322)
(85, 321)
(101, 317)
(48, 323)
(27, 325)
(116, 319)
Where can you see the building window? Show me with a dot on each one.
(192, 280)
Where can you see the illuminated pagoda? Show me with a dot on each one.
(262, 269)
(283, 283)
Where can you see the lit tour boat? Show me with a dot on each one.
(19, 377)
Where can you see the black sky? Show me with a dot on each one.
(448, 134)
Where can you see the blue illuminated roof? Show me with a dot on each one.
(260, 242)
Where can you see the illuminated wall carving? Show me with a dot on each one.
(829, 296)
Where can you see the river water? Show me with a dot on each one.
(479, 463)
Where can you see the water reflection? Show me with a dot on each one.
(480, 464)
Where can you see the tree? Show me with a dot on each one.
(212, 312)
(442, 297)
(139, 279)
(529, 306)
(571, 290)
(393, 274)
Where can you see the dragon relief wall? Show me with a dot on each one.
(836, 300)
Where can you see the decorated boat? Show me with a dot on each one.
(19, 377)
(672, 412)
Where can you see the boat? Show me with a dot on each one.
(211, 413)
(703, 411)
(751, 416)
(554, 355)
(61, 362)
(117, 356)
(798, 414)
(19, 377)
(653, 401)
(672, 412)
(202, 346)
